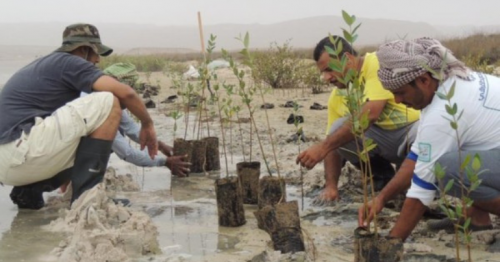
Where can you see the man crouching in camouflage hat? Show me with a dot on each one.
(49, 135)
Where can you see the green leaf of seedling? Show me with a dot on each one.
(459, 210)
(347, 35)
(470, 174)
(348, 19)
(354, 38)
(356, 28)
(442, 206)
(246, 41)
(468, 201)
(451, 110)
(473, 178)
(335, 65)
(364, 120)
(476, 162)
(339, 46)
(330, 51)
(449, 185)
(454, 125)
(465, 162)
(468, 238)
(363, 157)
(439, 171)
(475, 185)
(451, 93)
(369, 148)
(441, 96)
(351, 76)
(451, 214)
(343, 61)
(460, 115)
(368, 142)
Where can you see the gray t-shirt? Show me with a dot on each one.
(40, 88)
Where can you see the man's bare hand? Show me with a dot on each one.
(178, 165)
(327, 196)
(313, 155)
(147, 138)
(165, 149)
(373, 207)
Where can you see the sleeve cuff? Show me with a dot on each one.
(425, 195)
(412, 156)
(161, 161)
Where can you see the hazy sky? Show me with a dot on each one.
(184, 12)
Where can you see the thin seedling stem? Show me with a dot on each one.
(231, 140)
(241, 134)
(206, 115)
(270, 134)
(260, 145)
(223, 137)
(251, 136)
(187, 116)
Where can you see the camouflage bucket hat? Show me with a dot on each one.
(78, 35)
(123, 72)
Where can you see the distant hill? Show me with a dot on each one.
(303, 33)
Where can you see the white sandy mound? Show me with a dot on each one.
(124, 183)
(100, 230)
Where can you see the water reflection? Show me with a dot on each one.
(26, 240)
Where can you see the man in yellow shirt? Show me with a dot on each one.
(392, 126)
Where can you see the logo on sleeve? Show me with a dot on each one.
(424, 153)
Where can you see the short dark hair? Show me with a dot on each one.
(320, 47)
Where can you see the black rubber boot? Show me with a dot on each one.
(91, 160)
(31, 196)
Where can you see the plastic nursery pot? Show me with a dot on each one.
(183, 147)
(271, 191)
(229, 202)
(369, 247)
(249, 173)
(212, 155)
(282, 223)
(198, 157)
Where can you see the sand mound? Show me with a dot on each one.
(100, 230)
(124, 183)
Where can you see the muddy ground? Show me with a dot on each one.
(183, 211)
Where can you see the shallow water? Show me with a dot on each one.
(186, 217)
(23, 238)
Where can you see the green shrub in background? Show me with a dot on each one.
(311, 79)
(277, 67)
(146, 63)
